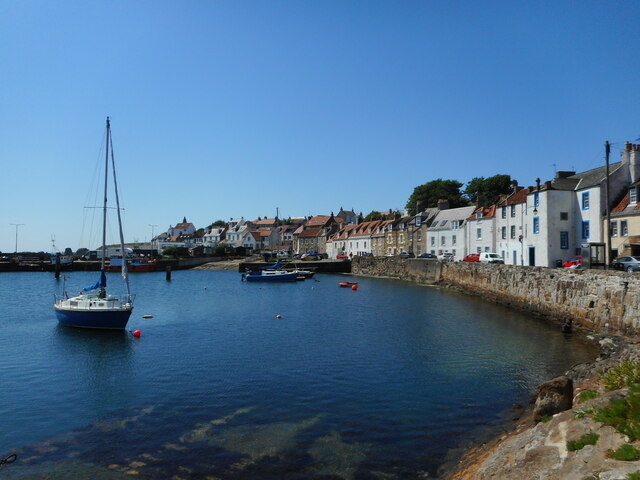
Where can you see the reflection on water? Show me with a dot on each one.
(379, 383)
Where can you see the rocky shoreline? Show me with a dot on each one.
(529, 450)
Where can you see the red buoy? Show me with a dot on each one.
(354, 287)
(137, 333)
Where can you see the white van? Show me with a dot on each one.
(490, 257)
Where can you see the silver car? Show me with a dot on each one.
(630, 264)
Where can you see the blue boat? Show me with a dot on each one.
(270, 276)
(93, 307)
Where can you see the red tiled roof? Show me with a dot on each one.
(265, 221)
(624, 203)
(318, 221)
(310, 233)
(182, 225)
(487, 212)
(518, 197)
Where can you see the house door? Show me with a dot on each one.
(515, 257)
(532, 256)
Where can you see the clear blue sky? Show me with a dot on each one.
(223, 109)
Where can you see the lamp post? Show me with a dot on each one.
(16, 225)
(152, 231)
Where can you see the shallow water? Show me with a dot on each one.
(375, 383)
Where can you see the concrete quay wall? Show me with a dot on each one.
(601, 300)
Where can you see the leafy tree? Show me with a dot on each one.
(218, 223)
(373, 215)
(487, 191)
(199, 233)
(427, 195)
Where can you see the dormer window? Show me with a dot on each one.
(479, 215)
(633, 195)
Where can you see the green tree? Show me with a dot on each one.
(373, 215)
(218, 223)
(487, 191)
(427, 195)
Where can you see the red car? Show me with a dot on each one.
(575, 262)
(474, 257)
(341, 256)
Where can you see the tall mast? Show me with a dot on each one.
(104, 205)
(124, 252)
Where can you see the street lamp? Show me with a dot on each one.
(16, 225)
(152, 230)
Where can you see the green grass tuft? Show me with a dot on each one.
(590, 438)
(546, 418)
(623, 414)
(626, 453)
(633, 476)
(587, 395)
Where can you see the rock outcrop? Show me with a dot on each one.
(553, 397)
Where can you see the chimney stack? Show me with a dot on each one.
(631, 155)
(443, 204)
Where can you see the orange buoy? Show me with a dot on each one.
(354, 287)
(137, 333)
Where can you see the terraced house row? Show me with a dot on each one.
(539, 225)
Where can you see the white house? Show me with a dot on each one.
(448, 232)
(565, 213)
(511, 219)
(480, 230)
(214, 236)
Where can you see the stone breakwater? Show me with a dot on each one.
(603, 301)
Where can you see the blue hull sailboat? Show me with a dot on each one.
(94, 307)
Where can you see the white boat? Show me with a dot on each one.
(94, 307)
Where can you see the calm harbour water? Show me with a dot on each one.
(377, 383)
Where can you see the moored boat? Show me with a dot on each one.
(94, 307)
(270, 276)
(133, 264)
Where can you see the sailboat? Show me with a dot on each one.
(94, 307)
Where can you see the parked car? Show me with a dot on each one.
(490, 257)
(446, 257)
(342, 256)
(406, 255)
(630, 264)
(427, 255)
(574, 262)
(473, 257)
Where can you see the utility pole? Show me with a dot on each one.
(16, 225)
(607, 150)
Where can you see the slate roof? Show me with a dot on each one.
(449, 215)
(580, 181)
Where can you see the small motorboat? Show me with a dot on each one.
(347, 284)
(270, 276)
(303, 274)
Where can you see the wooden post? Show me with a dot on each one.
(57, 275)
(168, 273)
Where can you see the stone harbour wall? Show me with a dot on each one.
(600, 300)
